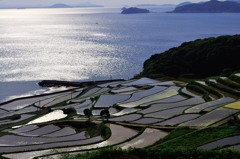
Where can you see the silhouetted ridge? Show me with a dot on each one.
(213, 6)
(134, 10)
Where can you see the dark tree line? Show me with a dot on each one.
(199, 58)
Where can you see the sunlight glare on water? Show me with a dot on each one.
(36, 46)
(94, 43)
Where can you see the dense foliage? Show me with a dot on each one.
(181, 143)
(200, 137)
(112, 153)
(199, 58)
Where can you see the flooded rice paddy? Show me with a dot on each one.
(59, 123)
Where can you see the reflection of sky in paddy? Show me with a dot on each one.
(55, 115)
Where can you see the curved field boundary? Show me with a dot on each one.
(22, 118)
(119, 135)
(160, 107)
(222, 142)
(126, 118)
(234, 147)
(173, 99)
(187, 92)
(20, 104)
(211, 117)
(146, 121)
(147, 138)
(200, 107)
(144, 93)
(178, 119)
(166, 114)
(141, 81)
(124, 90)
(107, 100)
(36, 96)
(50, 145)
(125, 112)
(62, 99)
(147, 99)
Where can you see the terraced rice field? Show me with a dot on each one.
(235, 105)
(140, 111)
(222, 142)
(213, 104)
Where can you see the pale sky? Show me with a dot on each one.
(107, 3)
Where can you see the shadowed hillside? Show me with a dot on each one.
(199, 58)
(213, 6)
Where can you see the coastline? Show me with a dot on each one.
(53, 83)
(11, 91)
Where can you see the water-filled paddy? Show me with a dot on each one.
(126, 111)
(147, 121)
(20, 104)
(211, 117)
(125, 90)
(151, 98)
(215, 103)
(179, 119)
(167, 113)
(105, 101)
(173, 99)
(147, 138)
(63, 132)
(142, 81)
(130, 117)
(139, 95)
(136, 102)
(164, 106)
(222, 142)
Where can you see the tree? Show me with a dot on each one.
(199, 58)
(105, 114)
(88, 113)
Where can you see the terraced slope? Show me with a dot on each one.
(141, 112)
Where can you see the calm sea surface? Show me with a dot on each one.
(93, 44)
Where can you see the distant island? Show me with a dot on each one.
(156, 5)
(61, 5)
(57, 5)
(134, 10)
(213, 6)
(184, 4)
(199, 58)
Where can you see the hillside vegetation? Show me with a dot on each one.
(199, 58)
